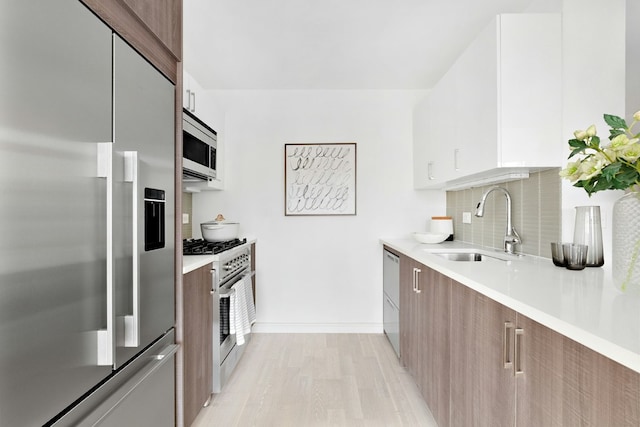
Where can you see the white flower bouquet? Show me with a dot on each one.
(611, 167)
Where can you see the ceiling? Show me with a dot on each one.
(330, 44)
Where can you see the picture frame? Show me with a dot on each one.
(320, 179)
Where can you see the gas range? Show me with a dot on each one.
(202, 247)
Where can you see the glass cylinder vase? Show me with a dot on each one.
(626, 243)
(588, 231)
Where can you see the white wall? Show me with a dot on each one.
(319, 273)
(593, 84)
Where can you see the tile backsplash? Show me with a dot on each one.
(536, 213)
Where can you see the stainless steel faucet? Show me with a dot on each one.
(511, 237)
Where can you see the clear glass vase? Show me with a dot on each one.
(626, 243)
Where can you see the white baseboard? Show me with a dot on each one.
(318, 328)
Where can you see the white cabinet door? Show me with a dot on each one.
(497, 107)
(435, 136)
(476, 76)
(529, 101)
(192, 92)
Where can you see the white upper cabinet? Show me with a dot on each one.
(192, 92)
(497, 111)
(203, 105)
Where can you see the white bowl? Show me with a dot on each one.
(430, 237)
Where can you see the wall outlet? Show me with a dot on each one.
(466, 217)
(185, 218)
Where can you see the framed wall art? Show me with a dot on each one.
(320, 179)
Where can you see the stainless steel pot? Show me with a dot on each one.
(219, 231)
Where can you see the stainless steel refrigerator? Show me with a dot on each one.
(86, 223)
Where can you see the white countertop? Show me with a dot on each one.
(193, 262)
(582, 305)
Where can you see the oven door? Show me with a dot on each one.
(226, 339)
(226, 352)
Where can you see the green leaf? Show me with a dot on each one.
(576, 143)
(602, 184)
(610, 171)
(627, 177)
(576, 151)
(578, 147)
(595, 141)
(615, 121)
(615, 132)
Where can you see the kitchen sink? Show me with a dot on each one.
(466, 256)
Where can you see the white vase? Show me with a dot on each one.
(626, 243)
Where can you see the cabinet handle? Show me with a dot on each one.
(416, 275)
(455, 159)
(188, 99)
(517, 351)
(193, 94)
(506, 345)
(430, 171)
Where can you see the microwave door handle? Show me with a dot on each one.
(132, 321)
(105, 338)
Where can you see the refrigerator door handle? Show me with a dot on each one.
(106, 337)
(132, 321)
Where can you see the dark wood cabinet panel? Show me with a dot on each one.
(408, 320)
(434, 354)
(164, 19)
(480, 363)
(197, 342)
(567, 384)
(154, 28)
(482, 389)
(424, 333)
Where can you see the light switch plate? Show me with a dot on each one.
(466, 217)
(185, 218)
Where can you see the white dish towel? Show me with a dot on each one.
(242, 309)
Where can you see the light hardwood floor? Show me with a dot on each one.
(318, 380)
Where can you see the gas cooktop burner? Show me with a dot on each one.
(202, 247)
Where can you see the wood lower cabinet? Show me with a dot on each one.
(197, 343)
(409, 316)
(424, 333)
(507, 370)
(480, 363)
(435, 338)
(482, 389)
(567, 384)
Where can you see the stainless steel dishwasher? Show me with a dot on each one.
(391, 286)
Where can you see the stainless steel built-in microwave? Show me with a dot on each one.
(199, 143)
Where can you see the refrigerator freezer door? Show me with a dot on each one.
(143, 160)
(56, 86)
(141, 394)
